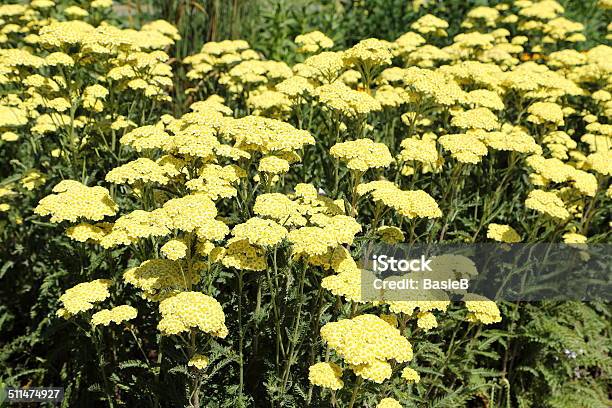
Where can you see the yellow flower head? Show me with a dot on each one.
(198, 361)
(139, 170)
(138, 224)
(33, 179)
(116, 315)
(366, 339)
(388, 403)
(464, 147)
(362, 154)
(189, 212)
(192, 310)
(158, 278)
(342, 99)
(273, 165)
(426, 321)
(280, 208)
(295, 86)
(241, 254)
(573, 238)
(481, 309)
(313, 42)
(74, 200)
(420, 150)
(377, 371)
(502, 233)
(410, 204)
(411, 375)
(81, 297)
(370, 52)
(326, 375)
(548, 203)
(477, 118)
(84, 231)
(265, 135)
(430, 24)
(545, 112)
(145, 137)
(325, 66)
(390, 235)
(259, 231)
(174, 249)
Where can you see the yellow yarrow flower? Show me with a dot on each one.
(242, 255)
(545, 112)
(346, 101)
(325, 66)
(312, 42)
(426, 321)
(189, 212)
(464, 147)
(192, 310)
(367, 342)
(116, 315)
(85, 232)
(139, 170)
(280, 208)
(430, 24)
(388, 403)
(481, 309)
(265, 135)
(510, 138)
(574, 238)
(477, 118)
(145, 137)
(259, 231)
(273, 165)
(601, 162)
(295, 86)
(410, 204)
(9, 137)
(326, 375)
(390, 235)
(370, 52)
(136, 225)
(32, 180)
(174, 249)
(198, 361)
(503, 233)
(74, 200)
(81, 297)
(362, 154)
(411, 375)
(548, 203)
(158, 278)
(377, 371)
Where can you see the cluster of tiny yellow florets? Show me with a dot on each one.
(116, 315)
(81, 297)
(410, 204)
(74, 201)
(503, 233)
(326, 375)
(367, 343)
(362, 154)
(481, 309)
(187, 310)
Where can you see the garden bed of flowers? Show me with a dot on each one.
(187, 230)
